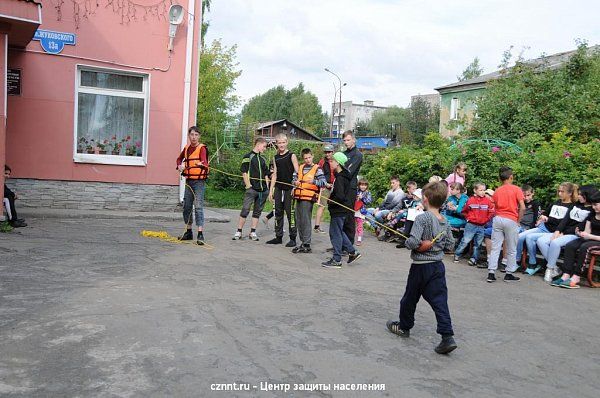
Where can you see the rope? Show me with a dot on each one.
(164, 236)
(328, 199)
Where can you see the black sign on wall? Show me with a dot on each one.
(13, 81)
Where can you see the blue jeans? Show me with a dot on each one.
(529, 238)
(194, 199)
(551, 248)
(379, 216)
(339, 239)
(472, 233)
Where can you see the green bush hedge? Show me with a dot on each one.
(542, 163)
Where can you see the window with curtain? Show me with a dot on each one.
(111, 115)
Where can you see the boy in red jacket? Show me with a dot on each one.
(478, 211)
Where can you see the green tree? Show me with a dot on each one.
(216, 85)
(422, 119)
(536, 98)
(392, 122)
(472, 71)
(298, 105)
(204, 23)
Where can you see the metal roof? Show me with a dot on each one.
(270, 123)
(546, 62)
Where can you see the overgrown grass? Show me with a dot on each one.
(5, 226)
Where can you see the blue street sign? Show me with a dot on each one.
(54, 42)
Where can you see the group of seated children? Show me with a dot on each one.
(571, 224)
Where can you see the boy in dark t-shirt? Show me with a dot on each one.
(255, 172)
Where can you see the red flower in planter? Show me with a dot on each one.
(495, 149)
(567, 154)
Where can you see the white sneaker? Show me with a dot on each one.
(504, 261)
(550, 274)
(237, 235)
(253, 236)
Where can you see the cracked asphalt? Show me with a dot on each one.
(89, 308)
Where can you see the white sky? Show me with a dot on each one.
(388, 50)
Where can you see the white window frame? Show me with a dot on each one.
(454, 105)
(145, 95)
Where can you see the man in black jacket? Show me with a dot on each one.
(355, 159)
(340, 206)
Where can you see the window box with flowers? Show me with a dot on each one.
(111, 117)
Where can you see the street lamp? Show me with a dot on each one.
(340, 107)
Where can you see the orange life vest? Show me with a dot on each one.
(193, 170)
(307, 190)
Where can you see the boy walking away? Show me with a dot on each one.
(340, 208)
(255, 172)
(193, 165)
(308, 181)
(284, 166)
(478, 211)
(329, 171)
(429, 238)
(510, 206)
(9, 203)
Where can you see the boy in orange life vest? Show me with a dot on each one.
(193, 165)
(308, 181)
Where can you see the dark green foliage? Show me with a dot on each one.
(538, 99)
(542, 163)
(297, 105)
(216, 85)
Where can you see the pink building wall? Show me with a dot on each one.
(40, 123)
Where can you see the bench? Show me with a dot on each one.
(590, 272)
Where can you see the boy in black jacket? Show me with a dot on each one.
(340, 206)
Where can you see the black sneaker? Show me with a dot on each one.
(17, 223)
(352, 257)
(446, 346)
(331, 263)
(200, 239)
(274, 241)
(304, 249)
(394, 327)
(503, 268)
(472, 262)
(511, 278)
(491, 277)
(401, 244)
(482, 265)
(291, 243)
(187, 235)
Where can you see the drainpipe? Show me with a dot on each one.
(189, 47)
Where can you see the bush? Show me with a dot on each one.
(542, 163)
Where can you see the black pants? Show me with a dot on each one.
(11, 211)
(283, 204)
(350, 226)
(576, 257)
(427, 280)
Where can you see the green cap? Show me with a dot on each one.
(340, 158)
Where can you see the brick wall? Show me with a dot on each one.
(94, 195)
